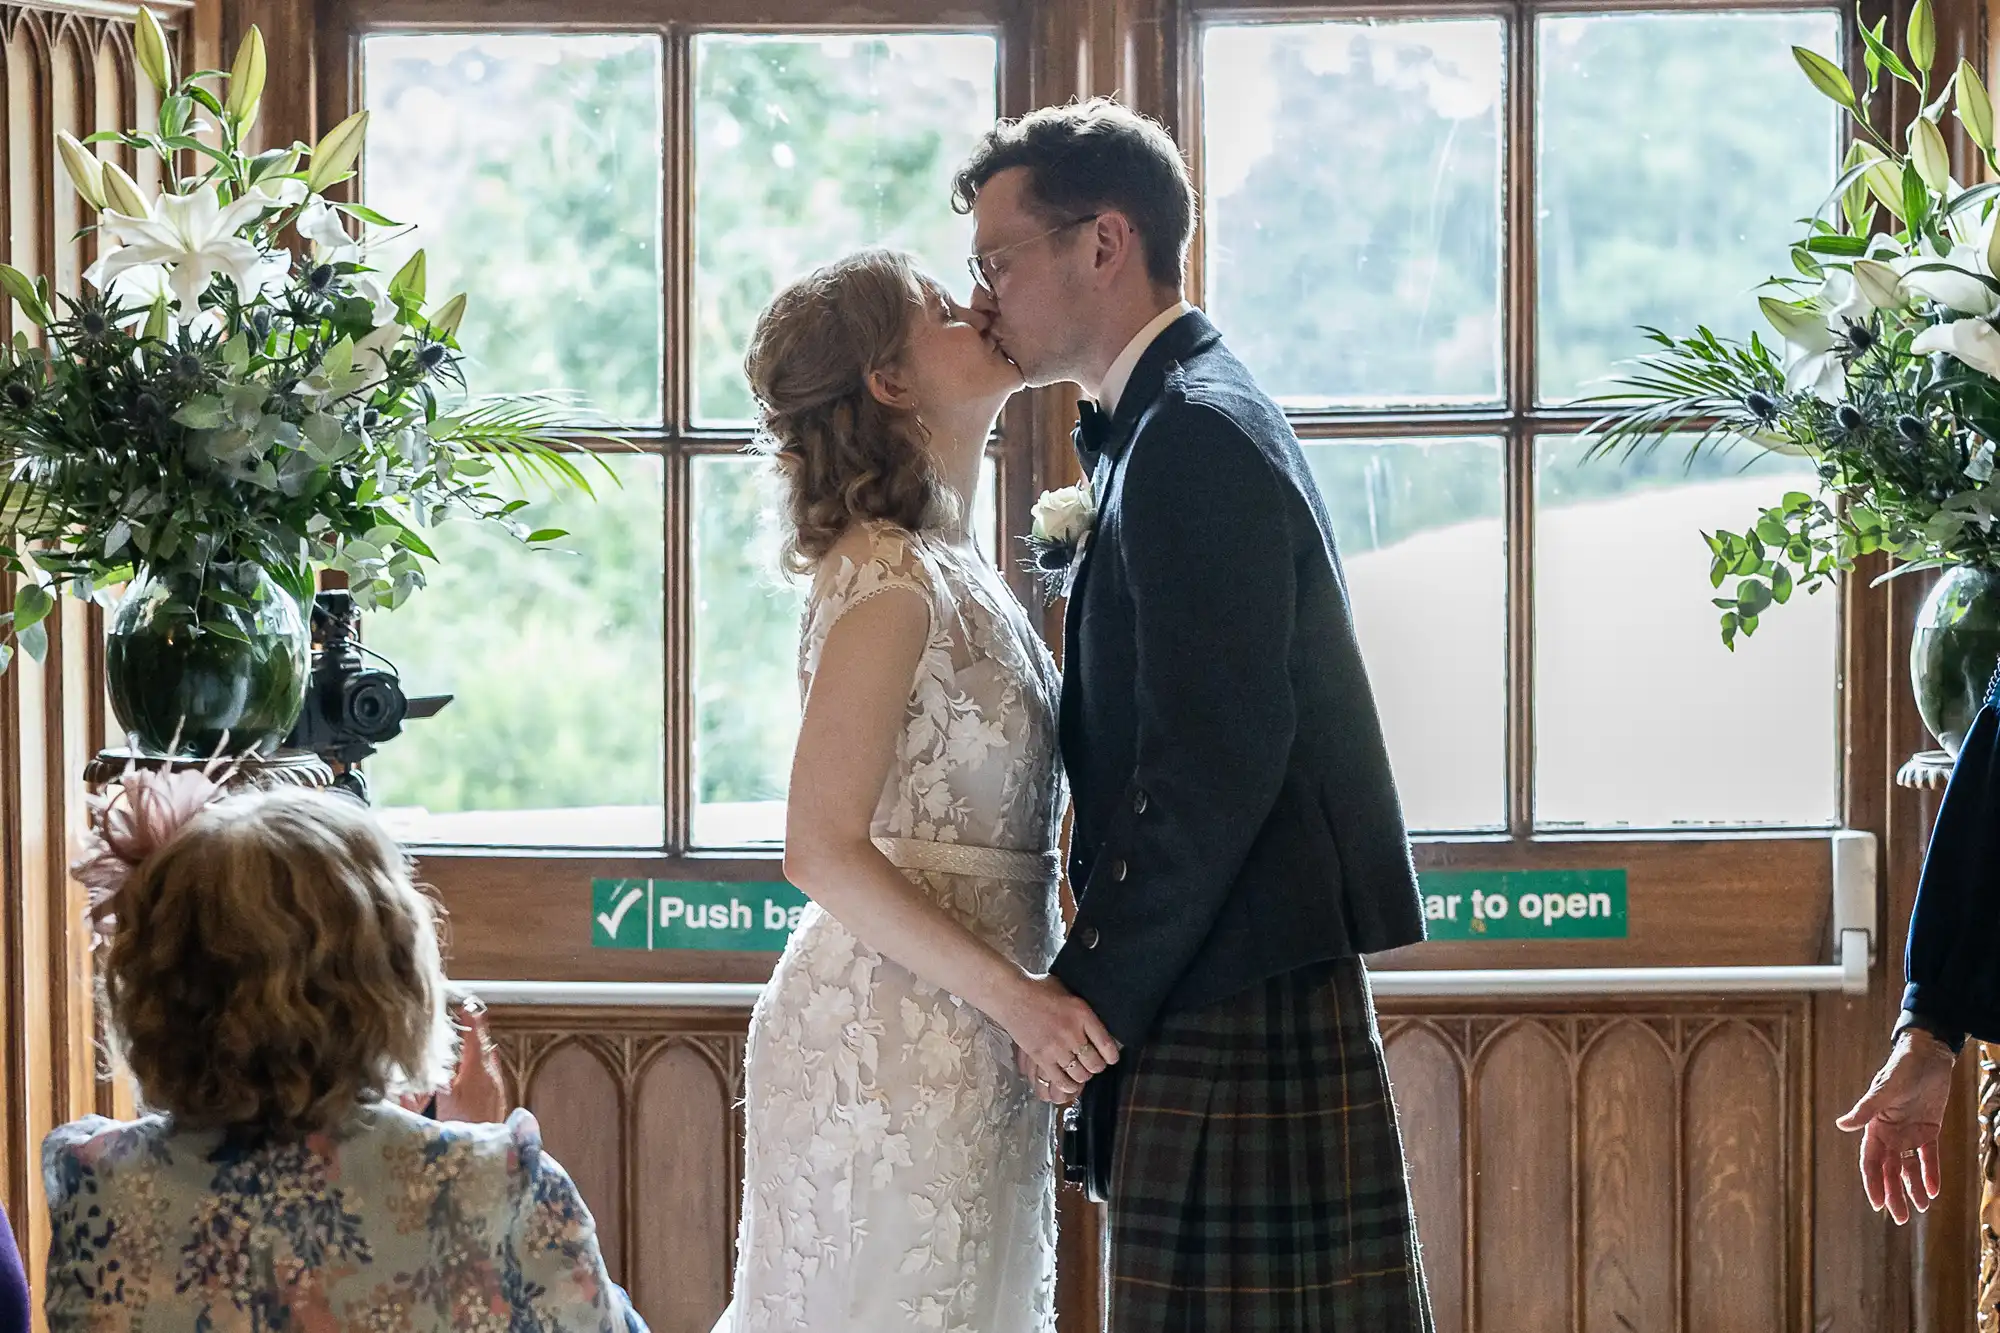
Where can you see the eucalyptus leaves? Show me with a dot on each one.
(1886, 372)
(214, 398)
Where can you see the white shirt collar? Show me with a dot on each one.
(1120, 374)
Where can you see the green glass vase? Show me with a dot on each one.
(1955, 651)
(201, 665)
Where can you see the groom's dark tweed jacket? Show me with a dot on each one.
(1235, 817)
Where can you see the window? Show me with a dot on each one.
(617, 227)
(1430, 294)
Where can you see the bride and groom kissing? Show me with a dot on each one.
(1236, 839)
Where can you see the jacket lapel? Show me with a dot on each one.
(1183, 338)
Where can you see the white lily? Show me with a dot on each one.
(280, 193)
(1960, 281)
(1817, 335)
(371, 354)
(1962, 284)
(193, 236)
(319, 222)
(1973, 342)
(140, 286)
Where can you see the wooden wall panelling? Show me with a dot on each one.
(1609, 1164)
(643, 1107)
(63, 67)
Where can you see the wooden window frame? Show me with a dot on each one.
(1764, 889)
(679, 440)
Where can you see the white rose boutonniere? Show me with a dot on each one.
(1062, 523)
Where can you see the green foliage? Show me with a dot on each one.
(1885, 382)
(248, 409)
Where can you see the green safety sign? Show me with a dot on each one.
(692, 914)
(1524, 904)
(760, 916)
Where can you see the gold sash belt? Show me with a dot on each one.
(955, 858)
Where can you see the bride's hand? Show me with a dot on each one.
(1057, 1033)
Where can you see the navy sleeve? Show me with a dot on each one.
(1952, 962)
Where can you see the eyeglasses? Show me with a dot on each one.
(986, 273)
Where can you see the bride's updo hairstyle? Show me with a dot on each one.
(845, 457)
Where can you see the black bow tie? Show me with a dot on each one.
(1093, 428)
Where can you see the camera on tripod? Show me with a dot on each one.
(352, 704)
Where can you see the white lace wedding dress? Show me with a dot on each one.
(898, 1170)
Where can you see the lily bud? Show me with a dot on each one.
(1975, 109)
(334, 154)
(445, 322)
(156, 320)
(121, 193)
(86, 170)
(1793, 324)
(246, 79)
(1927, 151)
(149, 48)
(1880, 284)
(410, 278)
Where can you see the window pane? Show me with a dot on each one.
(531, 166)
(1642, 717)
(746, 628)
(1676, 151)
(746, 631)
(1352, 207)
(555, 735)
(807, 148)
(1419, 528)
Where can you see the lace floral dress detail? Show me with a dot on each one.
(898, 1169)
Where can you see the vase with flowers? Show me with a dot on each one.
(236, 399)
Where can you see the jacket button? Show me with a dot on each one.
(1118, 871)
(1087, 937)
(1139, 803)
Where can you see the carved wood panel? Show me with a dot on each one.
(644, 1109)
(1611, 1167)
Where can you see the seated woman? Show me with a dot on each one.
(273, 984)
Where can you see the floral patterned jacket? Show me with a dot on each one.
(392, 1224)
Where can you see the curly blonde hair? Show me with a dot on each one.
(274, 967)
(843, 455)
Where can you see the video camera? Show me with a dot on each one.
(351, 706)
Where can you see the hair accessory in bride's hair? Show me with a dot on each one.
(135, 817)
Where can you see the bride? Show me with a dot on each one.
(898, 1169)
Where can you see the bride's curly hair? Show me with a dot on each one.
(844, 456)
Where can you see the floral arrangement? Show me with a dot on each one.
(1062, 521)
(1886, 369)
(215, 402)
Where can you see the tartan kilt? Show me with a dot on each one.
(1258, 1182)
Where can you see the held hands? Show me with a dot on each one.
(1899, 1118)
(1059, 1042)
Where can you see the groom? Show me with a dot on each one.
(1237, 839)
